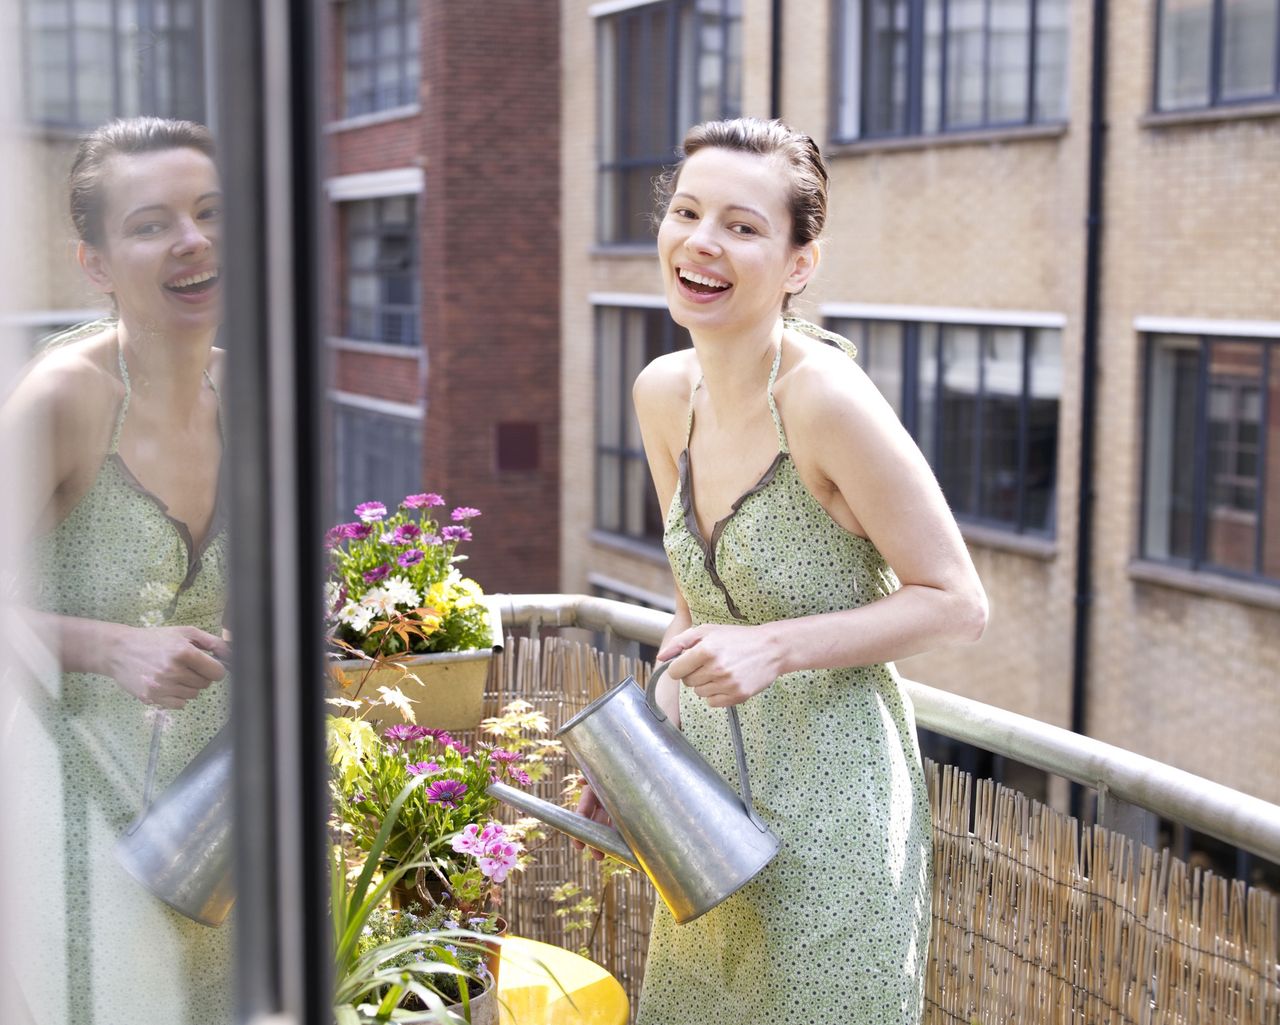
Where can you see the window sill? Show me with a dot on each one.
(650, 552)
(1208, 584)
(981, 136)
(1210, 115)
(1006, 541)
(413, 352)
(624, 250)
(377, 117)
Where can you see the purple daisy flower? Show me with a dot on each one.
(519, 775)
(356, 531)
(500, 754)
(410, 558)
(446, 792)
(455, 534)
(371, 512)
(461, 748)
(377, 573)
(424, 769)
(420, 501)
(431, 539)
(405, 533)
(404, 733)
(443, 736)
(464, 512)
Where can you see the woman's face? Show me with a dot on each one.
(725, 243)
(161, 229)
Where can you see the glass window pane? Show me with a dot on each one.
(608, 492)
(1001, 420)
(1171, 406)
(849, 70)
(1008, 61)
(1185, 32)
(1233, 428)
(931, 86)
(885, 62)
(1249, 48)
(608, 378)
(639, 496)
(1051, 60)
(959, 416)
(1045, 392)
(1270, 507)
(634, 360)
(965, 40)
(927, 397)
(882, 360)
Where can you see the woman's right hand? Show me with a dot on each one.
(166, 666)
(589, 807)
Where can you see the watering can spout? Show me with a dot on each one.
(593, 834)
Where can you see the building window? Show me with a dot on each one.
(91, 60)
(627, 339)
(1212, 474)
(1217, 52)
(380, 55)
(377, 456)
(380, 290)
(921, 67)
(982, 404)
(663, 68)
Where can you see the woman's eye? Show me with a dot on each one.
(745, 229)
(213, 213)
(683, 212)
(148, 228)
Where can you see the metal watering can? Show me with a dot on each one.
(678, 821)
(180, 847)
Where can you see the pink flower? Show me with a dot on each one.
(500, 754)
(468, 841)
(411, 557)
(455, 533)
(371, 512)
(423, 769)
(520, 776)
(497, 860)
(464, 512)
(446, 792)
(419, 501)
(403, 732)
(405, 533)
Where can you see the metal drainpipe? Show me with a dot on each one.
(1089, 383)
(775, 60)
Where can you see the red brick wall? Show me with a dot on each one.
(488, 138)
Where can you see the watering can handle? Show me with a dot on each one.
(735, 732)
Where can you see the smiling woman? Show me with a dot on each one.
(128, 580)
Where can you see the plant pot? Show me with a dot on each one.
(493, 949)
(484, 1008)
(447, 689)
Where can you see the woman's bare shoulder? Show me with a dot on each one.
(667, 381)
(72, 387)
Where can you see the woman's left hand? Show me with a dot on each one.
(724, 664)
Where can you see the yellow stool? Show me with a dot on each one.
(530, 997)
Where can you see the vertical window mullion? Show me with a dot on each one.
(910, 377)
(944, 62)
(1200, 473)
(673, 51)
(986, 62)
(1264, 418)
(1215, 53)
(1033, 29)
(1024, 428)
(915, 68)
(117, 53)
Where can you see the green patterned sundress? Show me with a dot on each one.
(836, 930)
(97, 948)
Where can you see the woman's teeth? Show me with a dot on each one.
(689, 277)
(192, 280)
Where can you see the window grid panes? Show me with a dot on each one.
(663, 68)
(982, 403)
(376, 457)
(380, 290)
(627, 340)
(1211, 491)
(919, 67)
(1217, 52)
(380, 55)
(88, 61)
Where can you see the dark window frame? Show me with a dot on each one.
(671, 338)
(616, 220)
(349, 419)
(1199, 561)
(382, 270)
(368, 100)
(844, 66)
(183, 72)
(923, 340)
(1215, 99)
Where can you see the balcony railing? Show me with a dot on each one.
(1036, 917)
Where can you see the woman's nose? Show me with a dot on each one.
(702, 239)
(193, 238)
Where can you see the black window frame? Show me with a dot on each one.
(382, 268)
(670, 337)
(845, 65)
(1199, 561)
(183, 72)
(368, 100)
(617, 221)
(1216, 46)
(923, 339)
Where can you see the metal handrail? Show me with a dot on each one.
(1236, 818)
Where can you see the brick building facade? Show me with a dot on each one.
(955, 256)
(444, 150)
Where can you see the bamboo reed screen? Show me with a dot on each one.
(1035, 919)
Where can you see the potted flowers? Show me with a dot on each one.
(402, 617)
